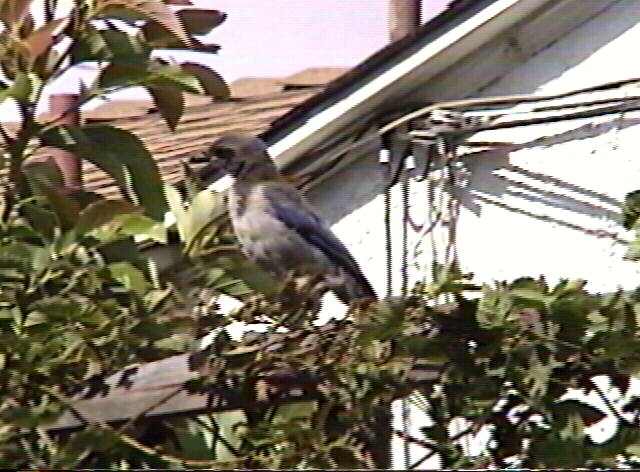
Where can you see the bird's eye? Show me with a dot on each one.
(222, 153)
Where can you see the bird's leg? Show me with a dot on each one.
(300, 298)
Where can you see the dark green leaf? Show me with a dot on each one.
(562, 410)
(631, 209)
(122, 155)
(153, 73)
(65, 208)
(200, 22)
(212, 84)
(170, 103)
(154, 10)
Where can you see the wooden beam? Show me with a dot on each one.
(161, 388)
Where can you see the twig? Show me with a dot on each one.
(5, 136)
(216, 434)
(28, 450)
(430, 454)
(607, 402)
(412, 439)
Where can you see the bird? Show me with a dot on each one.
(276, 226)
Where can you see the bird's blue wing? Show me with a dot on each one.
(297, 217)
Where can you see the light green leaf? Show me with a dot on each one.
(176, 205)
(203, 210)
(139, 225)
(35, 318)
(24, 88)
(129, 276)
(101, 213)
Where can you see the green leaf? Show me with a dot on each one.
(40, 219)
(633, 250)
(227, 426)
(494, 307)
(122, 155)
(109, 45)
(129, 276)
(239, 277)
(89, 46)
(170, 103)
(193, 442)
(154, 10)
(631, 209)
(385, 320)
(525, 297)
(557, 452)
(24, 88)
(122, 46)
(422, 347)
(563, 410)
(34, 318)
(65, 208)
(57, 308)
(139, 225)
(177, 208)
(101, 213)
(202, 211)
(45, 172)
(153, 73)
(211, 82)
(199, 21)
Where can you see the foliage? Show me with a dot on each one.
(75, 302)
(123, 37)
(509, 364)
(79, 299)
(505, 360)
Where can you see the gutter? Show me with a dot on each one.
(434, 51)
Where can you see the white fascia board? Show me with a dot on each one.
(442, 52)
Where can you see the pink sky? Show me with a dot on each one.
(281, 37)
(276, 38)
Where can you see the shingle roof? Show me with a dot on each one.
(255, 104)
(199, 125)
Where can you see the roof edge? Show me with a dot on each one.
(438, 44)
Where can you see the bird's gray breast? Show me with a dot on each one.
(265, 239)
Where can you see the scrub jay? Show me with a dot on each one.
(276, 227)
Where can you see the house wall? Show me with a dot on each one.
(549, 205)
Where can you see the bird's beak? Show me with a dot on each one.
(212, 170)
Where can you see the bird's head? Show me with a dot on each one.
(243, 157)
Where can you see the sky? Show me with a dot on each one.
(281, 37)
(276, 38)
